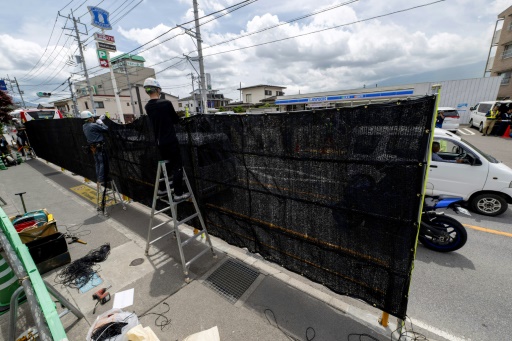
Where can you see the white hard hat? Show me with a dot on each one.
(151, 82)
(86, 114)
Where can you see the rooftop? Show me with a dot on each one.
(128, 56)
(262, 86)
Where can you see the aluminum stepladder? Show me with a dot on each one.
(173, 207)
(110, 195)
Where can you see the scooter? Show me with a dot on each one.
(439, 232)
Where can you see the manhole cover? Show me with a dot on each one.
(231, 280)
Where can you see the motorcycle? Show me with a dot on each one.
(439, 232)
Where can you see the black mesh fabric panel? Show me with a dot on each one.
(333, 194)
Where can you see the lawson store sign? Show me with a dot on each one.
(368, 95)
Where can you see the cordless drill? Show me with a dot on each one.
(102, 296)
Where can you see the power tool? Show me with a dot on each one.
(102, 296)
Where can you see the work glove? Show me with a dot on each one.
(102, 117)
(99, 121)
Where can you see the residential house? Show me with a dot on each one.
(215, 100)
(256, 93)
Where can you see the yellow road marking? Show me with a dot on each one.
(89, 194)
(483, 229)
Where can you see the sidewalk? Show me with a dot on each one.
(277, 302)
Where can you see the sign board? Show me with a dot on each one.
(127, 63)
(104, 37)
(102, 54)
(99, 18)
(104, 63)
(105, 46)
(3, 86)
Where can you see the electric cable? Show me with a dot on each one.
(310, 331)
(166, 322)
(325, 29)
(81, 271)
(69, 3)
(281, 24)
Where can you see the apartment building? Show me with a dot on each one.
(499, 62)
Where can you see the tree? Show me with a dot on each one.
(6, 106)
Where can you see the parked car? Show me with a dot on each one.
(451, 118)
(482, 181)
(479, 111)
(39, 114)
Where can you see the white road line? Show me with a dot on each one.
(465, 131)
(438, 331)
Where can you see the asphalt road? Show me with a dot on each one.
(467, 293)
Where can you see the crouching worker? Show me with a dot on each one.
(163, 117)
(94, 134)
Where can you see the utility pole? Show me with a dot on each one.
(194, 92)
(129, 87)
(17, 85)
(77, 37)
(201, 65)
(114, 86)
(75, 110)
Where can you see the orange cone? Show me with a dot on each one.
(507, 133)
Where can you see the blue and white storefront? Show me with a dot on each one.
(459, 94)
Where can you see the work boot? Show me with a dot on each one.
(178, 198)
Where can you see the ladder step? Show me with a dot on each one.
(188, 218)
(195, 236)
(157, 239)
(196, 257)
(162, 210)
(161, 224)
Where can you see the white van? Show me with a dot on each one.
(484, 182)
(451, 118)
(479, 111)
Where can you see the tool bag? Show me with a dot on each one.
(34, 225)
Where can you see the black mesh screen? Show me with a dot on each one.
(333, 194)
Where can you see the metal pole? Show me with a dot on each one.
(138, 99)
(73, 98)
(129, 87)
(201, 65)
(194, 93)
(19, 270)
(114, 85)
(89, 87)
(19, 91)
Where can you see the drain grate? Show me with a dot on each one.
(231, 280)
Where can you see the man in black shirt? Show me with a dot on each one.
(163, 117)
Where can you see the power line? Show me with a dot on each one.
(281, 24)
(69, 3)
(325, 29)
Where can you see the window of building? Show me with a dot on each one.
(99, 105)
(128, 104)
(248, 98)
(86, 105)
(180, 105)
(268, 92)
(279, 93)
(507, 53)
(506, 77)
(100, 86)
(510, 26)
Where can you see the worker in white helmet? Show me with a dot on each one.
(163, 117)
(94, 134)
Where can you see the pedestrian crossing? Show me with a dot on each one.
(466, 131)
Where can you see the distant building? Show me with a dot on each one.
(499, 62)
(256, 93)
(460, 94)
(130, 74)
(215, 100)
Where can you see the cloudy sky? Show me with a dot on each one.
(346, 45)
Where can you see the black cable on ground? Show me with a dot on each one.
(108, 330)
(310, 331)
(165, 320)
(81, 271)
